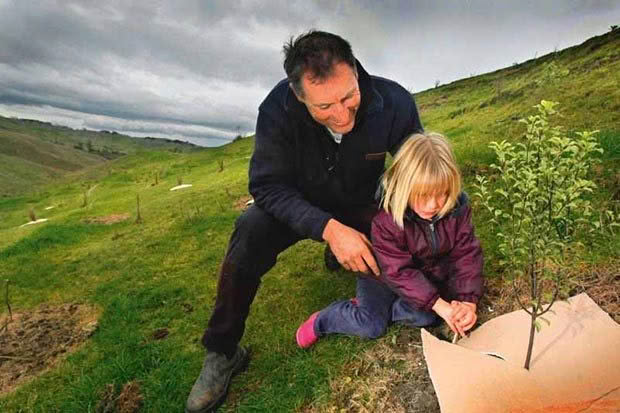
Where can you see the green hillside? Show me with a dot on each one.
(152, 284)
(33, 153)
(585, 80)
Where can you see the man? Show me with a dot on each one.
(321, 139)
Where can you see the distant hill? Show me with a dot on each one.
(584, 79)
(33, 152)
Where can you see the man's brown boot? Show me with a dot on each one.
(211, 386)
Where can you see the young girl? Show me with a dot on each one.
(424, 242)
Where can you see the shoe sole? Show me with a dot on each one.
(297, 339)
(297, 335)
(241, 365)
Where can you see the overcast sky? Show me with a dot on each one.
(197, 70)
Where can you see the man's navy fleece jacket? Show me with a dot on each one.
(298, 174)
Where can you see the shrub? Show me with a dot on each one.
(551, 73)
(540, 204)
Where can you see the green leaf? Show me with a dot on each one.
(545, 320)
(502, 193)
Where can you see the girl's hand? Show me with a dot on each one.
(464, 315)
(445, 311)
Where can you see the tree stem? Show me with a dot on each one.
(530, 346)
(6, 297)
(8, 305)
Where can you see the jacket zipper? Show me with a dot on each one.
(333, 156)
(434, 241)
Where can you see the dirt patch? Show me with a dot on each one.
(128, 401)
(241, 204)
(390, 377)
(187, 307)
(601, 283)
(107, 400)
(471, 169)
(35, 341)
(160, 333)
(393, 377)
(108, 219)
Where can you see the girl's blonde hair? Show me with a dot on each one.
(424, 166)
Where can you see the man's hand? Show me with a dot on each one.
(351, 248)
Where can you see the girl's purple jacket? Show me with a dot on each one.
(429, 259)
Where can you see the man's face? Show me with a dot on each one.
(334, 101)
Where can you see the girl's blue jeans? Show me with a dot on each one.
(377, 307)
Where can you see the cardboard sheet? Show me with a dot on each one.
(575, 363)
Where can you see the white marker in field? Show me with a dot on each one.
(180, 187)
(38, 221)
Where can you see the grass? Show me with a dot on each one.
(162, 273)
(141, 276)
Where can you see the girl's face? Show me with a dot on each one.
(427, 206)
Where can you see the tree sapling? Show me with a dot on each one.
(540, 205)
(32, 215)
(138, 216)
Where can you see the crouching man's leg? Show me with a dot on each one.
(257, 240)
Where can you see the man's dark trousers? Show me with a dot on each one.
(255, 243)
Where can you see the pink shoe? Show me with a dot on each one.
(305, 333)
(354, 301)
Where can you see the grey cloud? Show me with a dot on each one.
(208, 64)
(183, 42)
(85, 41)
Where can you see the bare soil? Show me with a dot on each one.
(34, 341)
(129, 400)
(392, 376)
(108, 219)
(241, 203)
(601, 283)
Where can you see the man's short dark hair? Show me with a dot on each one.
(317, 52)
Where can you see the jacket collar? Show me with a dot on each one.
(371, 102)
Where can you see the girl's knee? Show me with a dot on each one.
(373, 328)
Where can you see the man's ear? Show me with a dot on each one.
(299, 98)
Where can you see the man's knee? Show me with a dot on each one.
(258, 236)
(254, 217)
(254, 224)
